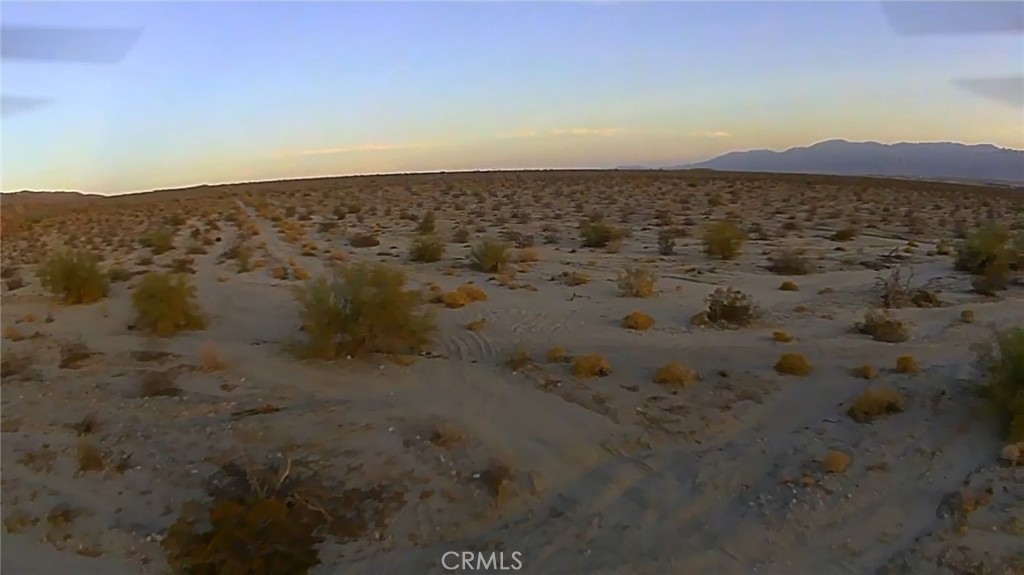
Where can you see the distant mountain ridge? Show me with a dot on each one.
(926, 160)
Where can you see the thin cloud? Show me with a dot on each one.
(522, 134)
(718, 134)
(586, 132)
(519, 135)
(357, 149)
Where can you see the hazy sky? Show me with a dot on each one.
(229, 91)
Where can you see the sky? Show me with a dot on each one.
(243, 91)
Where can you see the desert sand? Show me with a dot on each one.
(487, 440)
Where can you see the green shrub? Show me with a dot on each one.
(426, 249)
(490, 256)
(364, 308)
(844, 235)
(426, 224)
(75, 277)
(724, 240)
(731, 306)
(983, 249)
(599, 233)
(159, 241)
(165, 304)
(1004, 364)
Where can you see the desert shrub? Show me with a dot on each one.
(791, 262)
(636, 282)
(789, 286)
(426, 224)
(793, 364)
(835, 461)
(1003, 362)
(781, 336)
(967, 316)
(363, 308)
(844, 235)
(875, 403)
(159, 384)
(266, 528)
(598, 233)
(994, 278)
(865, 371)
(638, 320)
(165, 304)
(75, 277)
(158, 241)
(574, 278)
(460, 236)
(666, 243)
(731, 306)
(675, 374)
(454, 299)
(519, 359)
(984, 248)
(591, 366)
(364, 241)
(472, 292)
(906, 364)
(882, 326)
(426, 249)
(898, 291)
(527, 255)
(724, 240)
(118, 274)
(556, 355)
(489, 256)
(14, 282)
(241, 252)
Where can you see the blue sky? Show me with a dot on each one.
(231, 91)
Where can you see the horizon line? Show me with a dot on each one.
(624, 167)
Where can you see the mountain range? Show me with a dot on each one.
(946, 161)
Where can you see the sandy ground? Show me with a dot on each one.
(608, 475)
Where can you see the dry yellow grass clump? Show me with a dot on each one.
(793, 364)
(210, 358)
(865, 371)
(835, 461)
(638, 320)
(557, 355)
(454, 299)
(675, 374)
(461, 296)
(472, 292)
(884, 327)
(781, 336)
(477, 325)
(591, 366)
(789, 286)
(875, 403)
(906, 364)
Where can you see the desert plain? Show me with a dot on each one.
(632, 372)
